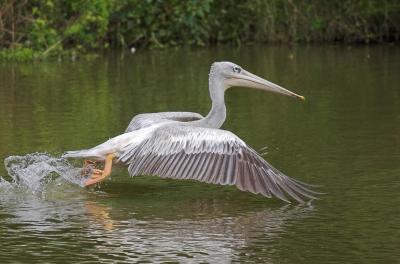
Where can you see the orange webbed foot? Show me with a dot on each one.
(100, 175)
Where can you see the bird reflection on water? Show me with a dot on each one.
(203, 229)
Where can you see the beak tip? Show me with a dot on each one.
(302, 98)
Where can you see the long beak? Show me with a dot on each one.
(247, 79)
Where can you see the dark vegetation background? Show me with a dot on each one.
(41, 28)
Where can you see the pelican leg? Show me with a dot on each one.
(89, 166)
(89, 163)
(101, 175)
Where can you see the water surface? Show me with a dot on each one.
(345, 137)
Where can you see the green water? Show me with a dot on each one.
(345, 137)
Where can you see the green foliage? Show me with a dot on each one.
(17, 54)
(51, 27)
(161, 23)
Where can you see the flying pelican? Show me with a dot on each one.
(189, 146)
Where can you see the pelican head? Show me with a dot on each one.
(233, 75)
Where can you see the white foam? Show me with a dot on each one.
(34, 172)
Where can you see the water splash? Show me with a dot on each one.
(35, 172)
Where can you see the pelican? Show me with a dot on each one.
(188, 146)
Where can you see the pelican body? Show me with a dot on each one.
(185, 145)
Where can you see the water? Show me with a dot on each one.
(345, 137)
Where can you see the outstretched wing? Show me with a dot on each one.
(145, 120)
(210, 155)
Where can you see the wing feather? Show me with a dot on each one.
(145, 120)
(223, 170)
(260, 184)
(212, 156)
(194, 170)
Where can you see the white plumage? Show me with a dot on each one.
(185, 145)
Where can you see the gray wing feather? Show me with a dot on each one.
(213, 156)
(145, 120)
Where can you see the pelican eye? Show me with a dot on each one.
(236, 69)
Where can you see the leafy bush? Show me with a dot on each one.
(41, 28)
